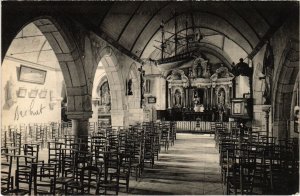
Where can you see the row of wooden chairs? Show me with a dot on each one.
(101, 163)
(252, 162)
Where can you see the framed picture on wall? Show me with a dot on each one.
(237, 108)
(151, 99)
(32, 75)
(22, 92)
(240, 107)
(33, 93)
(43, 94)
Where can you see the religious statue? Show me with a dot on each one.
(199, 71)
(105, 94)
(206, 72)
(201, 108)
(221, 97)
(129, 87)
(177, 97)
(268, 65)
(221, 112)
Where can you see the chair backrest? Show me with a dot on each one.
(89, 178)
(6, 175)
(82, 159)
(44, 178)
(31, 150)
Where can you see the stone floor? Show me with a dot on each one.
(190, 167)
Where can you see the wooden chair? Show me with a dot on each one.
(164, 141)
(136, 152)
(44, 178)
(240, 179)
(88, 184)
(148, 150)
(68, 163)
(6, 174)
(23, 174)
(109, 183)
(125, 164)
(55, 154)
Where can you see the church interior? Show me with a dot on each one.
(150, 97)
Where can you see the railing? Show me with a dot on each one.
(196, 126)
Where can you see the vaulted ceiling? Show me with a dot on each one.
(231, 29)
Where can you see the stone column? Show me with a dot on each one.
(211, 96)
(266, 109)
(186, 97)
(169, 98)
(80, 124)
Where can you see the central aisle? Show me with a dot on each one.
(190, 167)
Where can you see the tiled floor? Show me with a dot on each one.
(190, 167)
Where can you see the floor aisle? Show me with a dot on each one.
(190, 167)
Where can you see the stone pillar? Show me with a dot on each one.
(80, 127)
(211, 96)
(186, 97)
(80, 124)
(230, 91)
(266, 109)
(169, 98)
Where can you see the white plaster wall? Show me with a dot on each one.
(242, 86)
(30, 110)
(100, 73)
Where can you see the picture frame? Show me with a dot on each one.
(237, 108)
(33, 93)
(43, 94)
(151, 99)
(240, 108)
(22, 92)
(32, 75)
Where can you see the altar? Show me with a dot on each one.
(199, 93)
(194, 116)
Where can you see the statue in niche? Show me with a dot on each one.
(199, 71)
(129, 87)
(268, 65)
(221, 97)
(190, 73)
(177, 97)
(105, 94)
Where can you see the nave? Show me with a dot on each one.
(190, 167)
(149, 158)
(192, 162)
(98, 97)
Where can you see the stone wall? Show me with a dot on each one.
(283, 81)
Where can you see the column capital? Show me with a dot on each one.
(79, 115)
